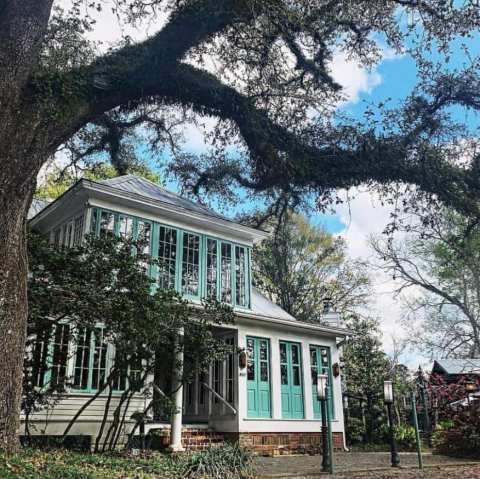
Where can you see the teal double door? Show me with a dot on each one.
(291, 380)
(258, 378)
(320, 363)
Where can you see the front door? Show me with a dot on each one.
(258, 377)
(320, 364)
(291, 380)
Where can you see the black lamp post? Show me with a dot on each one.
(322, 381)
(388, 395)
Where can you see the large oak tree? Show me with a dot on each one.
(269, 84)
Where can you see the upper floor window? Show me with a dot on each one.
(211, 269)
(191, 263)
(107, 223)
(167, 257)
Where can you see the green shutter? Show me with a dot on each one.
(291, 379)
(258, 378)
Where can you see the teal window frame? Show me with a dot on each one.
(203, 239)
(325, 368)
(43, 371)
(92, 348)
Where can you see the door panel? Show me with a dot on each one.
(258, 377)
(320, 363)
(291, 380)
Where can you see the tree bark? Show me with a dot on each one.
(15, 199)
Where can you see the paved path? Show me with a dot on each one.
(305, 466)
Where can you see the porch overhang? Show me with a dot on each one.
(248, 318)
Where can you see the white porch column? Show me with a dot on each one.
(177, 385)
(307, 380)
(276, 381)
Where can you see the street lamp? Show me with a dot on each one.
(322, 394)
(388, 397)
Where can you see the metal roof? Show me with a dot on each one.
(458, 366)
(142, 186)
(36, 206)
(262, 306)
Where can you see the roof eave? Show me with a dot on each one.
(337, 332)
(92, 185)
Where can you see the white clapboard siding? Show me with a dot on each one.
(68, 406)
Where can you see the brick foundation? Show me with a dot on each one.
(268, 443)
(263, 443)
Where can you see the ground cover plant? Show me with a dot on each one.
(228, 462)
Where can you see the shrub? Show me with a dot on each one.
(355, 430)
(405, 437)
(226, 462)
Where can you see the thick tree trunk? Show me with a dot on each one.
(14, 204)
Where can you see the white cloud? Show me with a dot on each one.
(364, 216)
(354, 78)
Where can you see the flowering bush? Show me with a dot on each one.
(458, 431)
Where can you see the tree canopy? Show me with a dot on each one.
(305, 269)
(439, 261)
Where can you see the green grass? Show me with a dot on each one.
(225, 462)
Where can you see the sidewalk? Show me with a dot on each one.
(365, 464)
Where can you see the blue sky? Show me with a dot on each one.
(394, 77)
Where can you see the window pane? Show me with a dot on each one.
(211, 269)
(313, 357)
(251, 360)
(296, 375)
(167, 257)
(125, 227)
(68, 234)
(78, 230)
(82, 359)
(263, 350)
(99, 359)
(295, 354)
(284, 373)
(60, 354)
(93, 221)
(240, 276)
(143, 236)
(190, 264)
(107, 223)
(40, 356)
(263, 371)
(226, 273)
(56, 237)
(283, 353)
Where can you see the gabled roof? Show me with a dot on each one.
(142, 186)
(457, 366)
(37, 206)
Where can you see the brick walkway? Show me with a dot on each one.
(307, 466)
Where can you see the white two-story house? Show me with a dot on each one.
(265, 398)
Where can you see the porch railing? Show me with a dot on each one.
(219, 397)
